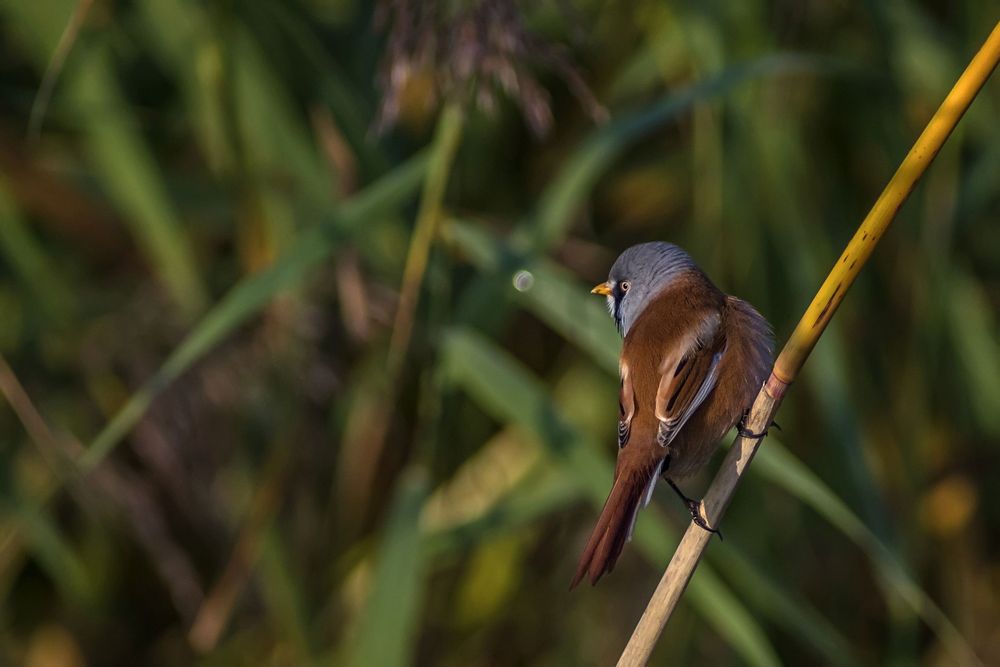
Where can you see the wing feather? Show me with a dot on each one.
(687, 378)
(626, 407)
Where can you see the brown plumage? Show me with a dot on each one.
(692, 361)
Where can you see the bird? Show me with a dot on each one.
(693, 358)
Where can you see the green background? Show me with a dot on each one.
(209, 455)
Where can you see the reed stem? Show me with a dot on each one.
(689, 552)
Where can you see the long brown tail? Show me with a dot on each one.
(614, 527)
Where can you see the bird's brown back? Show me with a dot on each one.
(743, 367)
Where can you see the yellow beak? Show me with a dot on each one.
(604, 289)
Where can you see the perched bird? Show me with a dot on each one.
(692, 361)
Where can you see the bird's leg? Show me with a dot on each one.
(694, 507)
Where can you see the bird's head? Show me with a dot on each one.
(638, 276)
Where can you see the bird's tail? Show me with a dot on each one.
(632, 489)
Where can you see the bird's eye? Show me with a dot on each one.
(625, 286)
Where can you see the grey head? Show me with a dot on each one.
(640, 274)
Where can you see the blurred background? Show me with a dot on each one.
(299, 364)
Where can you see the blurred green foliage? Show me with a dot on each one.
(208, 457)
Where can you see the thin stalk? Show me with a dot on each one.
(55, 68)
(446, 140)
(216, 609)
(689, 552)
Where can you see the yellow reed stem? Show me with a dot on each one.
(689, 552)
(831, 293)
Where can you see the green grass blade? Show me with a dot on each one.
(274, 139)
(974, 329)
(195, 54)
(131, 177)
(284, 595)
(542, 492)
(776, 464)
(121, 158)
(575, 183)
(786, 608)
(30, 263)
(547, 291)
(387, 629)
(352, 109)
(251, 294)
(52, 552)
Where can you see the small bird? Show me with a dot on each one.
(692, 361)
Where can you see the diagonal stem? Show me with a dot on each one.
(689, 552)
(449, 133)
(447, 138)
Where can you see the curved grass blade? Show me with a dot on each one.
(547, 291)
(973, 327)
(545, 489)
(780, 466)
(120, 155)
(786, 608)
(387, 629)
(283, 591)
(30, 263)
(41, 534)
(574, 184)
(252, 293)
(129, 172)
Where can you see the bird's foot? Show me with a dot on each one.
(694, 507)
(747, 433)
(744, 432)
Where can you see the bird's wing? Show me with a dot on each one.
(626, 406)
(687, 376)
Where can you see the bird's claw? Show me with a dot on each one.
(747, 433)
(744, 432)
(694, 507)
